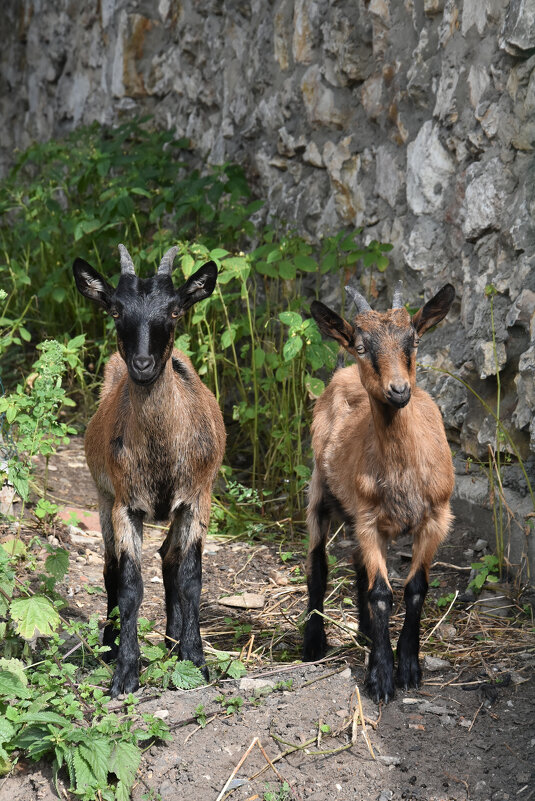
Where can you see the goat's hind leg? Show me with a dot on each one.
(318, 520)
(182, 575)
(426, 542)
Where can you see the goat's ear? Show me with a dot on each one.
(199, 286)
(332, 325)
(434, 310)
(91, 284)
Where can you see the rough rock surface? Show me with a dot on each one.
(414, 120)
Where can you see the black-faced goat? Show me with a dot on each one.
(383, 465)
(153, 447)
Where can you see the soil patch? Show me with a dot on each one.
(468, 733)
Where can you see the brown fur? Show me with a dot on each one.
(171, 432)
(391, 470)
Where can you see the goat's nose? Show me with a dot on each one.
(399, 392)
(143, 363)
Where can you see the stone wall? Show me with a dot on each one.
(414, 119)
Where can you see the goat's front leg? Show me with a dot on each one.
(380, 676)
(111, 575)
(426, 542)
(128, 528)
(182, 574)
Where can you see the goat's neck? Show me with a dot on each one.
(149, 405)
(393, 428)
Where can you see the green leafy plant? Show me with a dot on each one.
(487, 570)
(231, 704)
(33, 412)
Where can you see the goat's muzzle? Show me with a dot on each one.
(398, 395)
(143, 370)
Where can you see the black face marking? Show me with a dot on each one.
(144, 323)
(180, 368)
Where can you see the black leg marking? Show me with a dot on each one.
(380, 678)
(170, 562)
(315, 642)
(130, 594)
(189, 590)
(409, 673)
(111, 582)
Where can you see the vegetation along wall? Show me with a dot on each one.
(413, 119)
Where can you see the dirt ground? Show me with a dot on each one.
(468, 733)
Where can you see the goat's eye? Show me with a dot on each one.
(115, 314)
(360, 349)
(416, 342)
(174, 314)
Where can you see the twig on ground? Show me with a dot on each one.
(444, 616)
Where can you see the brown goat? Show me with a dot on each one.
(154, 448)
(383, 465)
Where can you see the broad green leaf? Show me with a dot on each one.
(122, 792)
(303, 471)
(85, 778)
(186, 675)
(57, 563)
(236, 669)
(14, 547)
(124, 762)
(274, 256)
(228, 336)
(264, 268)
(287, 270)
(15, 666)
(45, 717)
(290, 318)
(96, 753)
(259, 357)
(11, 686)
(34, 615)
(314, 385)
(218, 253)
(292, 347)
(306, 263)
(187, 262)
(76, 342)
(7, 730)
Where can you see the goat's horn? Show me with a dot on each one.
(397, 302)
(166, 264)
(127, 265)
(360, 302)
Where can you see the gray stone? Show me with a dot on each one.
(489, 361)
(518, 34)
(484, 197)
(434, 663)
(429, 171)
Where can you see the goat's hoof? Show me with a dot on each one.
(314, 648)
(409, 673)
(380, 678)
(125, 680)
